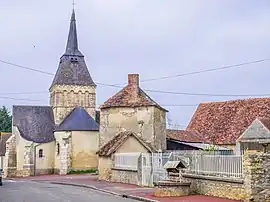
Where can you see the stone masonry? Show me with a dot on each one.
(64, 98)
(132, 109)
(10, 165)
(257, 176)
(65, 157)
(28, 167)
(64, 160)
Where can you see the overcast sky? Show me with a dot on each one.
(154, 38)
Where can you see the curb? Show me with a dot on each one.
(138, 198)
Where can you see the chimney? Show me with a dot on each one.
(133, 83)
(133, 80)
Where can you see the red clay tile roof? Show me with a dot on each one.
(112, 146)
(224, 122)
(130, 96)
(3, 138)
(184, 136)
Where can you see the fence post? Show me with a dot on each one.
(140, 170)
(152, 169)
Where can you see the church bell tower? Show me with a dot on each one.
(72, 85)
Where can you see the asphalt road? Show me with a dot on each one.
(28, 191)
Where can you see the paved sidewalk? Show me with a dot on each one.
(91, 181)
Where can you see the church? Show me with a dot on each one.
(70, 134)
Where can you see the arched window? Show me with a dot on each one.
(40, 153)
(58, 148)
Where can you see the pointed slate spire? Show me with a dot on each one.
(72, 43)
(72, 68)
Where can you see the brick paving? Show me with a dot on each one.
(91, 180)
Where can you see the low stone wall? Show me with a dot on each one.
(44, 171)
(28, 172)
(170, 188)
(215, 186)
(10, 172)
(255, 185)
(124, 176)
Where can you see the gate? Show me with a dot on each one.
(152, 168)
(147, 177)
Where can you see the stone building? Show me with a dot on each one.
(130, 121)
(72, 85)
(64, 135)
(132, 109)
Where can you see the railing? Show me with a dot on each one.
(128, 161)
(216, 165)
(198, 152)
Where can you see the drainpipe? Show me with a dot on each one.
(35, 161)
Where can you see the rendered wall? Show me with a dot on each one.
(45, 164)
(147, 121)
(85, 145)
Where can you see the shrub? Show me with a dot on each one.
(82, 171)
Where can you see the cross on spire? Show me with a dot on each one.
(73, 4)
(72, 43)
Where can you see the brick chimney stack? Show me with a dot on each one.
(133, 83)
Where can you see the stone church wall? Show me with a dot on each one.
(84, 147)
(28, 161)
(45, 164)
(20, 151)
(149, 122)
(59, 143)
(65, 98)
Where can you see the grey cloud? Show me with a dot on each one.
(154, 38)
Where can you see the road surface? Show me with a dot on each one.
(27, 191)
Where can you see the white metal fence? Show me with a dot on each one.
(217, 165)
(126, 161)
(198, 162)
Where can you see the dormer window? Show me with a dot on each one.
(73, 59)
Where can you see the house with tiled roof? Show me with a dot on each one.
(131, 109)
(65, 135)
(230, 122)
